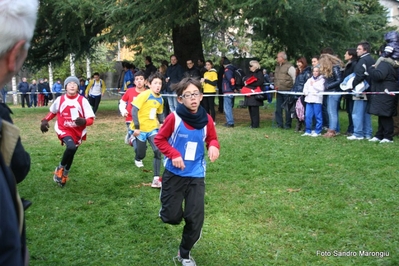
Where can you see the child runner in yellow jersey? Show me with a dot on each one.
(147, 114)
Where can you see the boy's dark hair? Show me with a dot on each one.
(139, 73)
(156, 75)
(366, 45)
(148, 58)
(183, 84)
(96, 74)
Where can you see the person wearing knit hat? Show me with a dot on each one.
(74, 114)
(71, 79)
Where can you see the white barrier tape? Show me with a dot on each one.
(246, 94)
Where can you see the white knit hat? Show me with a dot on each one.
(71, 79)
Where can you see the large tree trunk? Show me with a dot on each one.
(187, 41)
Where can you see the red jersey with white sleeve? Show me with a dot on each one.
(67, 109)
(126, 103)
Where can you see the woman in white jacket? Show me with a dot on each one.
(314, 101)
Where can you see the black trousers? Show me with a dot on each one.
(385, 128)
(69, 152)
(254, 114)
(94, 102)
(208, 102)
(280, 99)
(175, 190)
(25, 98)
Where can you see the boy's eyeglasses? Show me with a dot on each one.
(190, 95)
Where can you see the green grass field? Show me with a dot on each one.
(273, 198)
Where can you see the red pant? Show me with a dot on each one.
(40, 100)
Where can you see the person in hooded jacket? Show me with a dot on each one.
(384, 76)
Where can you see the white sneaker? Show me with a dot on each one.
(127, 139)
(374, 139)
(353, 137)
(139, 164)
(386, 141)
(306, 134)
(184, 262)
(156, 183)
(314, 134)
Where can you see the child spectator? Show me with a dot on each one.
(314, 101)
(147, 114)
(181, 139)
(73, 115)
(82, 87)
(125, 104)
(209, 83)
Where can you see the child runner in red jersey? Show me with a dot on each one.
(182, 139)
(73, 113)
(125, 104)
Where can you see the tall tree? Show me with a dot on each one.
(146, 21)
(65, 27)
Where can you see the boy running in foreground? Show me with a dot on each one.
(181, 139)
(73, 113)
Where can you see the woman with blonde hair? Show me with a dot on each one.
(254, 83)
(330, 68)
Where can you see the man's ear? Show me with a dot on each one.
(179, 99)
(13, 57)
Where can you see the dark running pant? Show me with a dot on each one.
(69, 152)
(141, 149)
(175, 190)
(94, 102)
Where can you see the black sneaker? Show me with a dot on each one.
(228, 125)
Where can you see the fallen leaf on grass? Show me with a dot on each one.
(267, 136)
(90, 202)
(290, 190)
(146, 171)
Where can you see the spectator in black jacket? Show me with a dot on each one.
(23, 88)
(384, 76)
(174, 74)
(351, 60)
(254, 82)
(192, 71)
(220, 81)
(361, 119)
(149, 67)
(33, 95)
